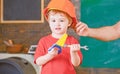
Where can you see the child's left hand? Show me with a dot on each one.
(74, 47)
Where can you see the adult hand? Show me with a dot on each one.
(82, 29)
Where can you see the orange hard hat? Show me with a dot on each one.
(64, 6)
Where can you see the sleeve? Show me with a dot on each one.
(39, 50)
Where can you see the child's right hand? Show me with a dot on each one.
(57, 47)
(53, 51)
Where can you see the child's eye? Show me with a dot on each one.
(61, 20)
(53, 20)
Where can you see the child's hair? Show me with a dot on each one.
(58, 11)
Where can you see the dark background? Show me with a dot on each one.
(22, 9)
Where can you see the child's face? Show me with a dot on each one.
(58, 22)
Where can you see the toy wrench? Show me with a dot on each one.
(82, 47)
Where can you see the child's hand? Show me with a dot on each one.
(74, 47)
(57, 47)
(53, 52)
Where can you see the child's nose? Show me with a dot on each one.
(58, 23)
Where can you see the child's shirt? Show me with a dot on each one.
(60, 64)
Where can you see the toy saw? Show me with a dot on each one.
(59, 44)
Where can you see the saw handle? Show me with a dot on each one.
(55, 46)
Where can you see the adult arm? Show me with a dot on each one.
(106, 33)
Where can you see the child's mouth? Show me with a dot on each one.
(57, 28)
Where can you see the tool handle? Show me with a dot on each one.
(55, 46)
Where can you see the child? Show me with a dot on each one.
(60, 15)
(106, 33)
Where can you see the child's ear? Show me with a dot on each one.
(69, 24)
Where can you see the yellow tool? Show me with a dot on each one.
(62, 40)
(60, 43)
